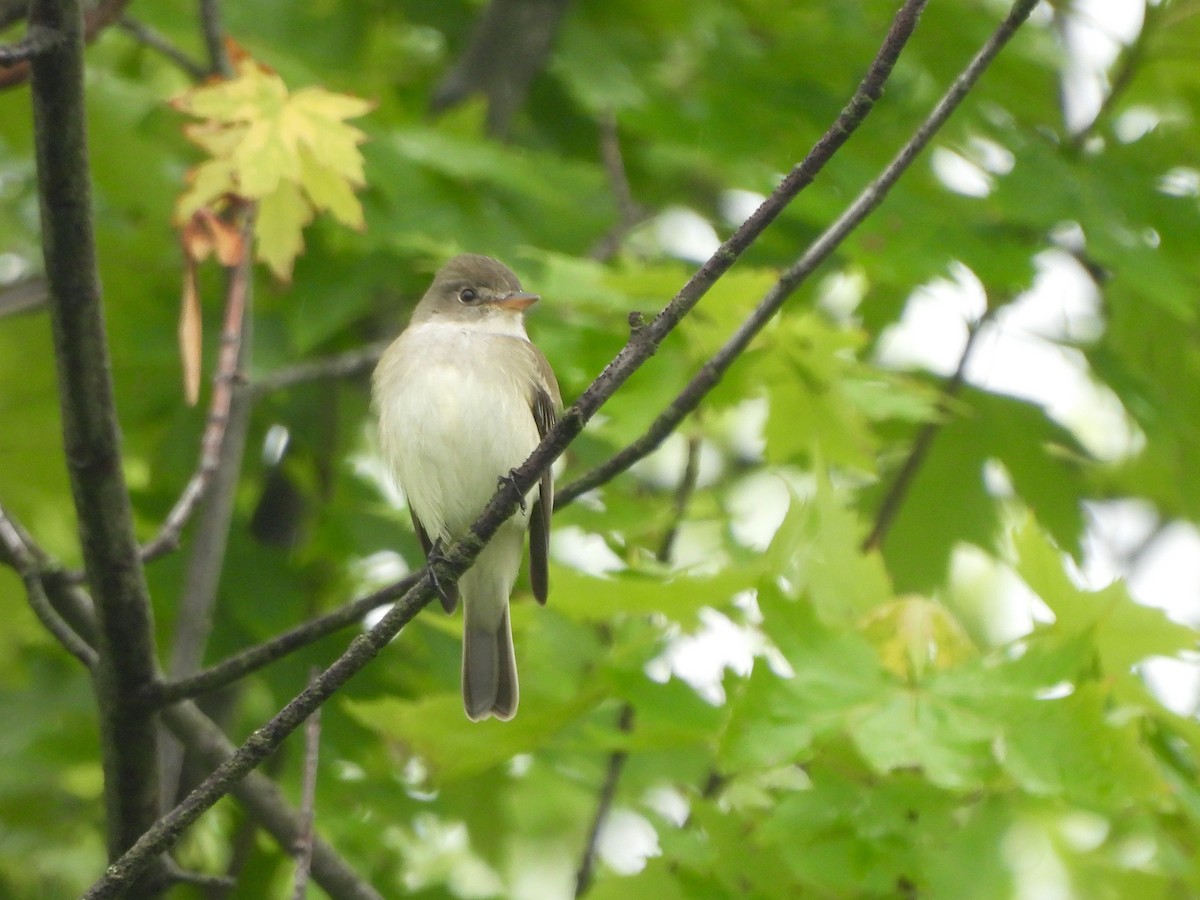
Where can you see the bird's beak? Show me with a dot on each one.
(518, 301)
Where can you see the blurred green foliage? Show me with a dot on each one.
(873, 749)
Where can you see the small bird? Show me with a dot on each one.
(463, 398)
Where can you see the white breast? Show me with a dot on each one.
(454, 415)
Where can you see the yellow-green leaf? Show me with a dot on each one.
(291, 153)
(329, 192)
(282, 216)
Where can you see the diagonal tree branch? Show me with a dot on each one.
(344, 365)
(91, 436)
(157, 41)
(608, 792)
(215, 484)
(96, 17)
(224, 433)
(308, 803)
(253, 658)
(869, 90)
(37, 41)
(257, 793)
(265, 802)
(866, 202)
(459, 556)
(18, 553)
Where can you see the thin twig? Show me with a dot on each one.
(308, 800)
(160, 43)
(259, 795)
(173, 875)
(222, 449)
(1126, 70)
(214, 38)
(608, 792)
(869, 90)
(37, 41)
(24, 296)
(251, 659)
(243, 663)
(462, 553)
(629, 214)
(683, 496)
(263, 800)
(864, 204)
(343, 365)
(801, 175)
(27, 567)
(889, 507)
(96, 17)
(228, 377)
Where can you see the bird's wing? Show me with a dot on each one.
(545, 403)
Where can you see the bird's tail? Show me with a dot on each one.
(489, 669)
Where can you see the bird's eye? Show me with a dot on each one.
(468, 295)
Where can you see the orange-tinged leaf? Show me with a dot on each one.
(197, 239)
(190, 335)
(210, 181)
(228, 241)
(292, 153)
(206, 232)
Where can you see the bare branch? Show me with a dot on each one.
(308, 802)
(36, 42)
(869, 90)
(265, 802)
(96, 18)
(127, 657)
(683, 496)
(608, 791)
(629, 214)
(173, 874)
(459, 556)
(27, 567)
(214, 38)
(216, 452)
(344, 365)
(222, 449)
(526, 29)
(864, 204)
(253, 658)
(23, 296)
(257, 793)
(889, 508)
(160, 43)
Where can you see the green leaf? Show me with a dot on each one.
(1125, 632)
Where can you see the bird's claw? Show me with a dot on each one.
(448, 594)
(511, 481)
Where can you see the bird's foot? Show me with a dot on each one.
(447, 592)
(511, 481)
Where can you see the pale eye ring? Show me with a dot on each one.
(468, 295)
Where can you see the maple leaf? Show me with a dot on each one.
(291, 153)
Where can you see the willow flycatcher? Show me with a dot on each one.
(463, 398)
